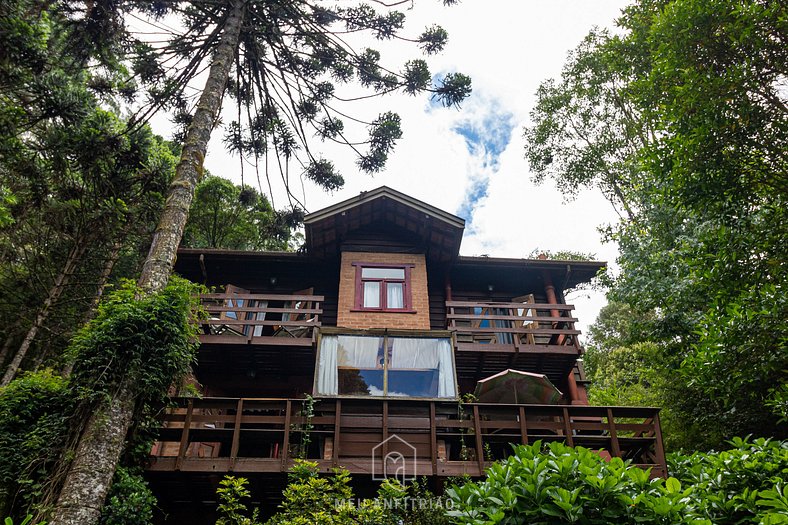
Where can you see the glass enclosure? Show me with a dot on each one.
(385, 366)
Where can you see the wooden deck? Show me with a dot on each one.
(261, 319)
(529, 336)
(440, 438)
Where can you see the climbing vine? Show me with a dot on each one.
(147, 340)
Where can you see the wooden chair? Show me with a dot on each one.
(306, 318)
(526, 312)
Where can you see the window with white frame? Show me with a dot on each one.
(385, 366)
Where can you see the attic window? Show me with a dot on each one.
(383, 287)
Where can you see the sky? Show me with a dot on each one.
(470, 161)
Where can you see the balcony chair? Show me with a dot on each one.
(309, 320)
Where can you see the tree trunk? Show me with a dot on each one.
(54, 294)
(90, 473)
(9, 341)
(169, 231)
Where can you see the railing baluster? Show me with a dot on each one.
(611, 426)
(385, 449)
(659, 447)
(568, 428)
(285, 452)
(477, 429)
(337, 432)
(187, 423)
(523, 427)
(239, 408)
(433, 440)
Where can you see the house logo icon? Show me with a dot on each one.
(394, 458)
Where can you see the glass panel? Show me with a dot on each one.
(360, 351)
(394, 297)
(382, 273)
(420, 367)
(372, 295)
(357, 382)
(360, 365)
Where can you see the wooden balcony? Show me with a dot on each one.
(263, 319)
(440, 438)
(493, 336)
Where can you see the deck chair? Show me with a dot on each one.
(236, 329)
(306, 318)
(526, 312)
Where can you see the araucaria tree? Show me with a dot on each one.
(280, 61)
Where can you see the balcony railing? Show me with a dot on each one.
(437, 438)
(513, 327)
(240, 318)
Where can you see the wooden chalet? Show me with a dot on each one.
(387, 328)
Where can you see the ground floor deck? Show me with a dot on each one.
(373, 436)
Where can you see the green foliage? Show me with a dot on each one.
(28, 520)
(151, 338)
(130, 500)
(680, 120)
(559, 484)
(742, 485)
(224, 215)
(231, 493)
(33, 424)
(312, 499)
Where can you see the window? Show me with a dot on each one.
(386, 366)
(383, 287)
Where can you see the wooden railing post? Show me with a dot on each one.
(187, 423)
(659, 447)
(433, 440)
(239, 408)
(337, 432)
(568, 428)
(523, 427)
(477, 430)
(285, 452)
(611, 426)
(385, 448)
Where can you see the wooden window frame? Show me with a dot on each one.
(407, 296)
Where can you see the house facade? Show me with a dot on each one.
(363, 351)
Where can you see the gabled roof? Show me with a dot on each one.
(384, 213)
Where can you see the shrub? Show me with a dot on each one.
(561, 484)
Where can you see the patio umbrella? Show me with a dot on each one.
(514, 386)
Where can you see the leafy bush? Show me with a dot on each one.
(130, 500)
(33, 415)
(561, 484)
(740, 485)
(311, 499)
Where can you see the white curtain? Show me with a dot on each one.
(358, 352)
(446, 386)
(327, 376)
(372, 294)
(407, 353)
(394, 295)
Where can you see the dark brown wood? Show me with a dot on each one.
(236, 432)
(433, 440)
(477, 430)
(568, 428)
(284, 454)
(615, 448)
(185, 434)
(352, 427)
(523, 427)
(337, 431)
